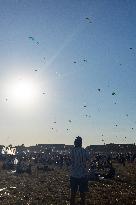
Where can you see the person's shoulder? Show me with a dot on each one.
(83, 149)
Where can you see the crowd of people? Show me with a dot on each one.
(82, 165)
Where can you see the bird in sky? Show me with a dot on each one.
(99, 89)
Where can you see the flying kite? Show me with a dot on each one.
(32, 38)
(85, 60)
(88, 19)
(113, 93)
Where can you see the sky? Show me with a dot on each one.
(67, 69)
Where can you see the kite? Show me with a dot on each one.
(113, 93)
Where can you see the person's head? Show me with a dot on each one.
(78, 142)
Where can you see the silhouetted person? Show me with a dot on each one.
(78, 177)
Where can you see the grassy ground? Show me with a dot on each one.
(52, 188)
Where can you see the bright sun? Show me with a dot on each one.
(22, 92)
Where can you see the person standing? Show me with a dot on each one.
(78, 175)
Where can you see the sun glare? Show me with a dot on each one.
(22, 92)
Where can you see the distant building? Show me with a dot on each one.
(45, 148)
(115, 148)
(65, 149)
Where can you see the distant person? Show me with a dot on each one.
(78, 176)
(123, 160)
